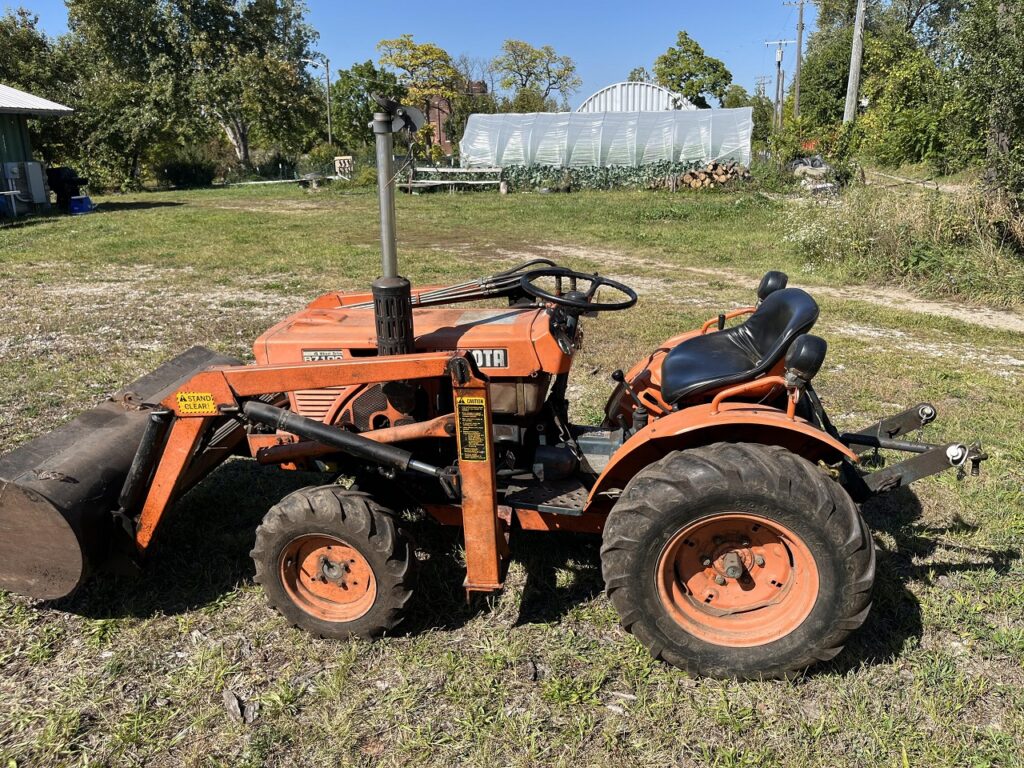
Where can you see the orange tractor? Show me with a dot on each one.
(725, 498)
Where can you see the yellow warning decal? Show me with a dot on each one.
(196, 404)
(471, 416)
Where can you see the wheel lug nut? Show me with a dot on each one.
(720, 581)
(759, 561)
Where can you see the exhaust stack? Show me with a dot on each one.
(392, 293)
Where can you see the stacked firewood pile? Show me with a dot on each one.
(714, 174)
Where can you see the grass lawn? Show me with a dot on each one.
(135, 671)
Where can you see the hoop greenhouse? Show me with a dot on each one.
(567, 139)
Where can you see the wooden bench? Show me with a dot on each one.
(451, 184)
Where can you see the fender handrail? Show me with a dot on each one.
(727, 316)
(792, 392)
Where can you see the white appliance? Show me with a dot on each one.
(36, 182)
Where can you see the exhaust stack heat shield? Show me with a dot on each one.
(57, 491)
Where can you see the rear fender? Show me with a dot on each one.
(696, 426)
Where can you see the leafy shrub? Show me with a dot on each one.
(275, 165)
(522, 177)
(946, 244)
(769, 176)
(319, 160)
(365, 176)
(913, 105)
(188, 167)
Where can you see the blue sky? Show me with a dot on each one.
(606, 39)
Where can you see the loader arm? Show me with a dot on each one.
(225, 390)
(57, 490)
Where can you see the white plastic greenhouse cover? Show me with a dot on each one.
(606, 138)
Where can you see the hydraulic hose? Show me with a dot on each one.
(346, 442)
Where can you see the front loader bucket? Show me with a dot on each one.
(57, 492)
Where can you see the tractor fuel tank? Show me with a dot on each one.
(58, 490)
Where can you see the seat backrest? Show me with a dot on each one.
(780, 318)
(741, 353)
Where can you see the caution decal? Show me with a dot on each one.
(471, 416)
(196, 404)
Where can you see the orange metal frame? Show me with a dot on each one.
(486, 524)
(728, 316)
(218, 390)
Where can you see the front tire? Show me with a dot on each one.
(738, 560)
(334, 563)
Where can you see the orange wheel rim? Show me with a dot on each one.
(737, 580)
(327, 578)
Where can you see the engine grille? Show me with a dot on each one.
(370, 402)
(315, 403)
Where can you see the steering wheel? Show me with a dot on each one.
(574, 298)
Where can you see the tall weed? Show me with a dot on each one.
(939, 243)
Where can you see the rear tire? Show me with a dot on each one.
(334, 563)
(684, 523)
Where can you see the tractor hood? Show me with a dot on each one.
(505, 342)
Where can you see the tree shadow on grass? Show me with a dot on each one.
(441, 603)
(111, 206)
(201, 550)
(895, 617)
(201, 554)
(23, 222)
(107, 206)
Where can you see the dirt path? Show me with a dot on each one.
(892, 298)
(951, 189)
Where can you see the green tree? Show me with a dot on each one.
(736, 96)
(763, 114)
(426, 69)
(528, 100)
(639, 75)
(826, 68)
(910, 105)
(247, 71)
(686, 69)
(990, 39)
(130, 92)
(535, 75)
(33, 62)
(352, 102)
(26, 53)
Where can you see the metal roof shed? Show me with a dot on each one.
(15, 109)
(22, 180)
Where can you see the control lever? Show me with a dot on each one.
(640, 416)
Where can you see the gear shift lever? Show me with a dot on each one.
(640, 416)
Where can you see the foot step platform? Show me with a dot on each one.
(556, 497)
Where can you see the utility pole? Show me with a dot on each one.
(799, 52)
(856, 56)
(327, 72)
(779, 80)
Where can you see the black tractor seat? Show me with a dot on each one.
(740, 353)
